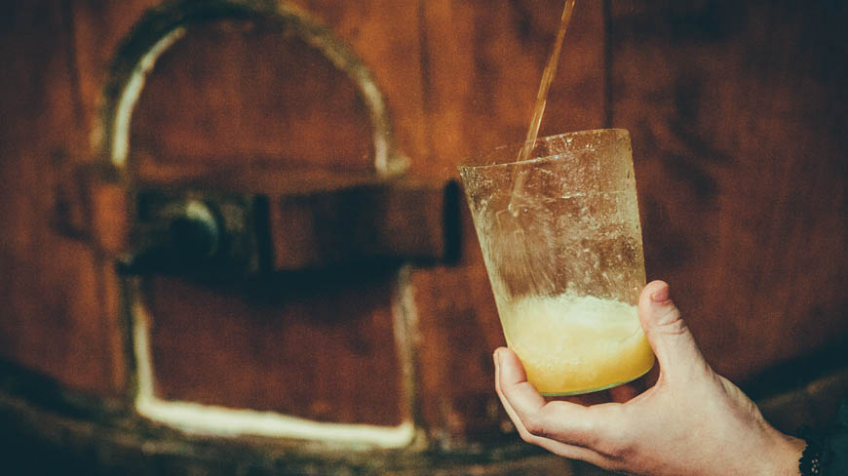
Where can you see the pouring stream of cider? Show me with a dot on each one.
(545, 85)
(542, 96)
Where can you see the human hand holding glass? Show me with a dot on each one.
(692, 421)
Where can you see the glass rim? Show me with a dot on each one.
(469, 162)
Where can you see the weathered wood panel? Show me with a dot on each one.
(58, 316)
(387, 36)
(738, 118)
(317, 346)
(237, 97)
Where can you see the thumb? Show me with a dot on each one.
(667, 332)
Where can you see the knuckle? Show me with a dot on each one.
(618, 448)
(669, 315)
(536, 426)
(527, 437)
(620, 451)
(672, 323)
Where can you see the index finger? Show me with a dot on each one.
(562, 421)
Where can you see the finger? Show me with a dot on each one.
(566, 422)
(556, 447)
(546, 443)
(668, 334)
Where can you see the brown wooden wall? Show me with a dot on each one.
(736, 111)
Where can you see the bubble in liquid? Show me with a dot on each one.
(513, 209)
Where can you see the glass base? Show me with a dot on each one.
(596, 389)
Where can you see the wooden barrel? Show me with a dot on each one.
(233, 243)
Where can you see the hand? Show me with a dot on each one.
(691, 422)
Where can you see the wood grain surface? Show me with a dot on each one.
(737, 114)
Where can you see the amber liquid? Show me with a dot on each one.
(573, 344)
(545, 85)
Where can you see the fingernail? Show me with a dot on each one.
(660, 296)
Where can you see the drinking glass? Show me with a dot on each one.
(562, 245)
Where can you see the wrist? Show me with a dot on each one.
(787, 456)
